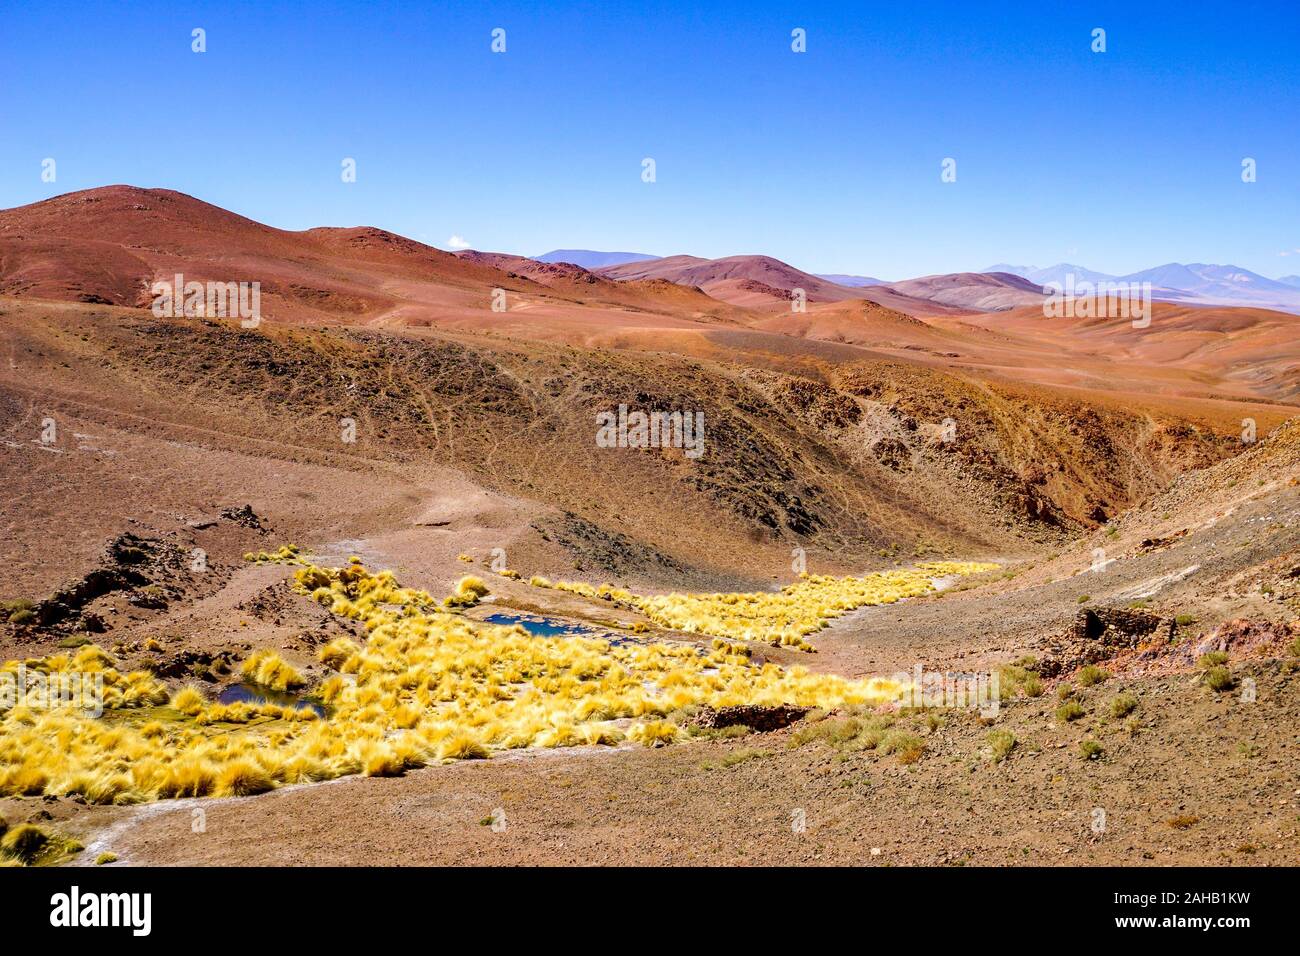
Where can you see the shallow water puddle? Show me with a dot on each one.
(540, 626)
(254, 695)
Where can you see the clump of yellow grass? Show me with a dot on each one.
(285, 554)
(426, 685)
(785, 617)
(268, 669)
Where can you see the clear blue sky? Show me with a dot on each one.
(828, 159)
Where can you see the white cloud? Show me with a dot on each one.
(458, 242)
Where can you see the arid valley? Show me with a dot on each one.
(365, 587)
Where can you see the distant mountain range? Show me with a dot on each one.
(741, 280)
(592, 259)
(344, 275)
(752, 280)
(984, 291)
(1054, 273)
(1196, 283)
(853, 282)
(763, 282)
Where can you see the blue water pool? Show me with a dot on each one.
(540, 626)
(251, 694)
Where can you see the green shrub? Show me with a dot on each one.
(1090, 749)
(1219, 679)
(908, 746)
(1019, 677)
(1212, 659)
(1002, 742)
(1122, 705)
(1090, 675)
(827, 731)
(1070, 710)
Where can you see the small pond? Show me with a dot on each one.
(252, 694)
(540, 626)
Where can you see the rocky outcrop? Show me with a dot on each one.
(1119, 627)
(244, 516)
(1098, 634)
(144, 569)
(119, 570)
(750, 715)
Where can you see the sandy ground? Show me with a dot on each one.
(1223, 770)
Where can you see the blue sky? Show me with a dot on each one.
(829, 159)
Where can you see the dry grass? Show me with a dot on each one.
(1019, 679)
(1212, 659)
(268, 669)
(1091, 675)
(1122, 705)
(908, 746)
(1091, 750)
(469, 591)
(784, 618)
(1071, 710)
(1001, 743)
(1219, 679)
(24, 843)
(243, 778)
(855, 734)
(426, 685)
